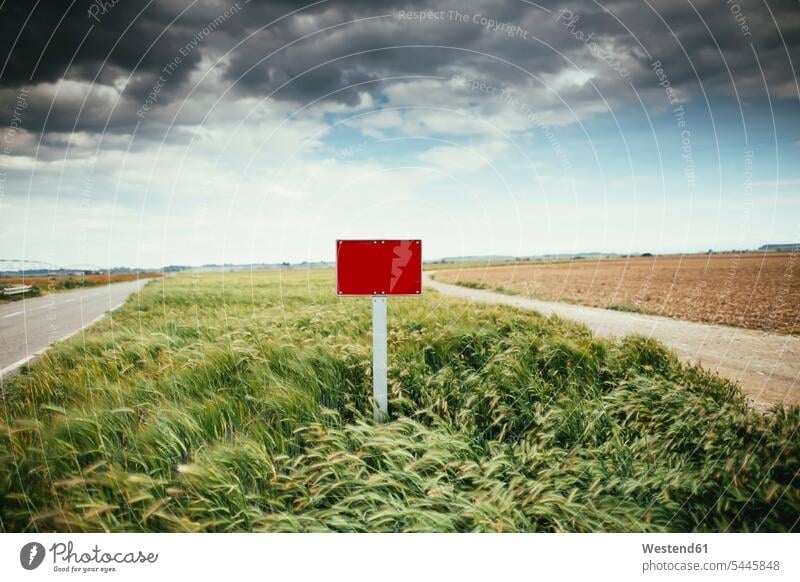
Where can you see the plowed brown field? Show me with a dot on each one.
(77, 280)
(751, 290)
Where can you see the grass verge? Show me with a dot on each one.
(243, 404)
(626, 307)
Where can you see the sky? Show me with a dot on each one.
(146, 133)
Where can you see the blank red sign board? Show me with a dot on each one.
(379, 267)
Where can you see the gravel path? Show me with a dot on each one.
(766, 365)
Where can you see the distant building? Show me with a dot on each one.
(782, 247)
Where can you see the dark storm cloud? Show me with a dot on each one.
(105, 43)
(80, 43)
(699, 41)
(57, 39)
(684, 40)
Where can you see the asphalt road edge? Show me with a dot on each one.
(12, 369)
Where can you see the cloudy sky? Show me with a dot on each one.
(148, 133)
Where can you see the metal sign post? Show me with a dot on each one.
(379, 268)
(379, 355)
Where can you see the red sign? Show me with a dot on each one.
(379, 267)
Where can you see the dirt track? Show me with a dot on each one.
(766, 365)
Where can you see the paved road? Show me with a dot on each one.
(29, 327)
(766, 365)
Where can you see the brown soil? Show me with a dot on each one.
(751, 290)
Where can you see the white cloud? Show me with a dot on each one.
(460, 160)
